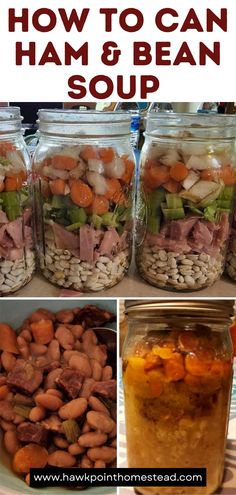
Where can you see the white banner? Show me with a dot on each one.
(117, 50)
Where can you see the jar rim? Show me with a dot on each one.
(68, 116)
(9, 114)
(208, 118)
(217, 309)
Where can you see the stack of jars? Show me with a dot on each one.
(83, 174)
(16, 233)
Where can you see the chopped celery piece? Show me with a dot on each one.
(109, 219)
(13, 212)
(227, 193)
(210, 213)
(223, 203)
(173, 214)
(123, 213)
(74, 226)
(155, 199)
(96, 221)
(153, 225)
(174, 201)
(57, 201)
(9, 198)
(193, 208)
(22, 410)
(120, 229)
(77, 215)
(71, 430)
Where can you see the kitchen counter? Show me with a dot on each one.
(131, 286)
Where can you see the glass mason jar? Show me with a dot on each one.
(185, 199)
(230, 266)
(16, 234)
(177, 374)
(83, 174)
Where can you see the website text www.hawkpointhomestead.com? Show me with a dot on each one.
(117, 477)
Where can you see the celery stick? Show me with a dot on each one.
(174, 201)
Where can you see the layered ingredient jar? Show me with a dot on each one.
(230, 266)
(185, 199)
(177, 374)
(83, 175)
(16, 234)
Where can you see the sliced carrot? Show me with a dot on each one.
(13, 183)
(81, 193)
(158, 175)
(178, 171)
(89, 152)
(197, 366)
(57, 186)
(30, 456)
(151, 361)
(174, 368)
(63, 162)
(129, 170)
(42, 331)
(99, 206)
(209, 174)
(23, 174)
(114, 189)
(8, 340)
(107, 154)
(172, 186)
(228, 175)
(6, 146)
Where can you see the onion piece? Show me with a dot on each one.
(95, 165)
(78, 171)
(170, 158)
(16, 160)
(206, 161)
(54, 173)
(97, 181)
(115, 169)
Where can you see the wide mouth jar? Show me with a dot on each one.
(10, 120)
(191, 126)
(75, 123)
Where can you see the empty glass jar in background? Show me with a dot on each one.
(83, 174)
(185, 199)
(177, 374)
(16, 234)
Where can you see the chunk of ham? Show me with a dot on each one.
(180, 229)
(3, 217)
(15, 231)
(65, 239)
(167, 243)
(202, 234)
(86, 243)
(110, 242)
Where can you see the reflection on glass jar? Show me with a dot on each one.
(83, 174)
(16, 234)
(185, 199)
(177, 374)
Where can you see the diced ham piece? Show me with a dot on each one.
(86, 243)
(15, 231)
(71, 382)
(24, 378)
(106, 389)
(110, 242)
(65, 239)
(180, 229)
(15, 254)
(202, 234)
(223, 233)
(173, 245)
(3, 217)
(32, 433)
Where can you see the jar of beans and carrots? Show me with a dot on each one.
(83, 172)
(17, 261)
(185, 199)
